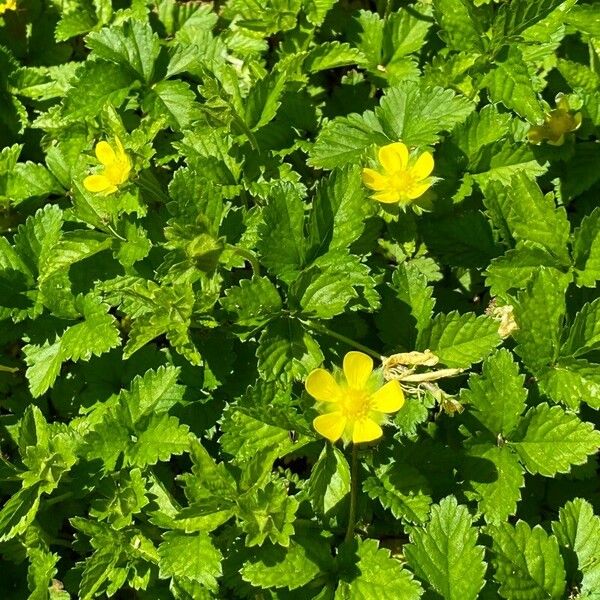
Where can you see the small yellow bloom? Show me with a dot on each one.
(354, 408)
(115, 171)
(8, 5)
(557, 124)
(402, 179)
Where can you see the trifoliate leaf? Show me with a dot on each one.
(329, 481)
(403, 490)
(527, 562)
(460, 340)
(190, 556)
(375, 575)
(550, 440)
(571, 381)
(445, 553)
(578, 530)
(497, 396)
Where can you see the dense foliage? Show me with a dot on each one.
(187, 235)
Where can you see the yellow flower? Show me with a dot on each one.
(8, 5)
(354, 408)
(402, 179)
(557, 123)
(116, 168)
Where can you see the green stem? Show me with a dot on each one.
(342, 338)
(5, 369)
(353, 492)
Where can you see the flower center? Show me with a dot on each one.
(402, 181)
(356, 404)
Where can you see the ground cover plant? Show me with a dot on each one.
(299, 299)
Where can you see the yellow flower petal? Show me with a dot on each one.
(330, 426)
(98, 183)
(374, 180)
(105, 154)
(387, 197)
(423, 167)
(322, 386)
(388, 398)
(366, 430)
(393, 157)
(417, 190)
(357, 369)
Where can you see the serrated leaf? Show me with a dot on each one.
(190, 557)
(329, 481)
(509, 82)
(174, 101)
(18, 512)
(586, 250)
(42, 568)
(497, 396)
(578, 529)
(417, 115)
(376, 575)
(571, 381)
(445, 553)
(344, 140)
(496, 477)
(461, 30)
(331, 55)
(584, 333)
(287, 351)
(402, 489)
(539, 313)
(460, 340)
(339, 211)
(550, 440)
(527, 562)
(281, 235)
(523, 14)
(255, 301)
(264, 99)
(132, 45)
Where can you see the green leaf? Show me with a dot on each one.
(496, 478)
(42, 568)
(30, 180)
(18, 512)
(522, 14)
(132, 45)
(417, 115)
(265, 98)
(339, 211)
(497, 396)
(527, 562)
(269, 512)
(254, 302)
(550, 440)
(190, 557)
(513, 270)
(287, 351)
(571, 381)
(586, 250)
(509, 82)
(461, 29)
(539, 312)
(158, 439)
(329, 481)
(96, 334)
(281, 234)
(402, 489)
(173, 101)
(97, 84)
(578, 530)
(277, 567)
(584, 334)
(460, 340)
(445, 553)
(376, 575)
(331, 55)
(345, 140)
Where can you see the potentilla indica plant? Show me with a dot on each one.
(299, 299)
